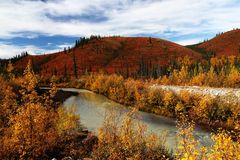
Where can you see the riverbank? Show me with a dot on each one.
(105, 142)
(60, 95)
(93, 108)
(229, 95)
(86, 101)
(55, 132)
(209, 112)
(64, 93)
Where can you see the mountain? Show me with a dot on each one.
(224, 44)
(126, 55)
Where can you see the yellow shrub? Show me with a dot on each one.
(169, 100)
(233, 79)
(128, 140)
(99, 84)
(115, 87)
(154, 97)
(187, 148)
(201, 110)
(224, 148)
(198, 80)
(179, 107)
(185, 97)
(68, 121)
(32, 132)
(130, 88)
(165, 80)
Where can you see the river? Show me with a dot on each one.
(93, 107)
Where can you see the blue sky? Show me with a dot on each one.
(46, 26)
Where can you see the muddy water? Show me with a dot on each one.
(93, 107)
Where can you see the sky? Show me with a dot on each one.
(47, 26)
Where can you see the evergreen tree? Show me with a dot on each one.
(10, 70)
(75, 65)
(65, 50)
(55, 71)
(150, 40)
(76, 43)
(142, 67)
(127, 67)
(65, 71)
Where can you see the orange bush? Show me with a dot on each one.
(128, 139)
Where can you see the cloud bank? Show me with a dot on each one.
(182, 21)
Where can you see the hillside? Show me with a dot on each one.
(126, 55)
(225, 44)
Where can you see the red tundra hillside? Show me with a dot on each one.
(224, 44)
(109, 54)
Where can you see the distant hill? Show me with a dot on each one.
(224, 44)
(125, 55)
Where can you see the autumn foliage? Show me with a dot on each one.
(128, 139)
(31, 127)
(204, 110)
(188, 148)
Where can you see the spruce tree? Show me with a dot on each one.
(75, 66)
(65, 71)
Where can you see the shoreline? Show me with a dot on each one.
(66, 94)
(212, 127)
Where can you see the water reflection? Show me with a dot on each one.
(92, 109)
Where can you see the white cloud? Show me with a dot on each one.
(189, 41)
(9, 50)
(64, 45)
(124, 17)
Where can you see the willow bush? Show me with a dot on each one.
(127, 138)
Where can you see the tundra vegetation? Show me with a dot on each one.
(211, 112)
(213, 72)
(33, 126)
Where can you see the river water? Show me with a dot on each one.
(93, 108)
